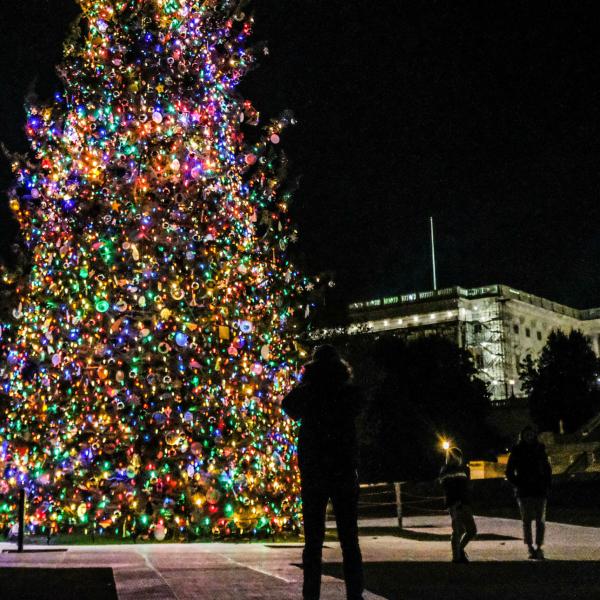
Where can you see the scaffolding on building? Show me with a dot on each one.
(485, 338)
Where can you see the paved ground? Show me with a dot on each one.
(404, 568)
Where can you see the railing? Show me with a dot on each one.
(579, 463)
(393, 500)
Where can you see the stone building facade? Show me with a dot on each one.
(499, 325)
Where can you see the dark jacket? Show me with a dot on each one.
(528, 470)
(456, 481)
(327, 404)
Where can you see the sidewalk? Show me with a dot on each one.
(407, 568)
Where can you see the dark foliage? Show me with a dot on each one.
(562, 382)
(418, 392)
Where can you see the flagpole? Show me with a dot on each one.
(433, 254)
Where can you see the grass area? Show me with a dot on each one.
(80, 539)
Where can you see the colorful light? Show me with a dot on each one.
(150, 340)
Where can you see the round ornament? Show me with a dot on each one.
(160, 532)
(102, 306)
(246, 326)
(172, 438)
(181, 339)
(257, 368)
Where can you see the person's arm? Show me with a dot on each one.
(441, 475)
(294, 404)
(511, 474)
(547, 471)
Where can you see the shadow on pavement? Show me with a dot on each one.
(527, 580)
(23, 583)
(426, 536)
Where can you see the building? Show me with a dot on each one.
(497, 324)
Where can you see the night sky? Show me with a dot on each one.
(485, 115)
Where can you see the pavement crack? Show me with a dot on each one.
(149, 564)
(256, 569)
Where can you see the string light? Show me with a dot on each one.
(150, 340)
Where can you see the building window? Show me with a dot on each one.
(527, 332)
(516, 328)
(477, 328)
(539, 336)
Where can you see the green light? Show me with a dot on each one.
(102, 306)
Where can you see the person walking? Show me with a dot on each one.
(528, 469)
(326, 403)
(455, 478)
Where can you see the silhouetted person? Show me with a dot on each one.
(455, 478)
(327, 403)
(529, 471)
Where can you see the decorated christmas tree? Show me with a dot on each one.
(150, 337)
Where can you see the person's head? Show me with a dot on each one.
(325, 353)
(327, 366)
(529, 435)
(454, 456)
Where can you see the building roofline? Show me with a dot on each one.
(457, 292)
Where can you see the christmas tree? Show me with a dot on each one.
(150, 337)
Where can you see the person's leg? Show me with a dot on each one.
(470, 529)
(457, 532)
(527, 518)
(345, 505)
(540, 524)
(314, 505)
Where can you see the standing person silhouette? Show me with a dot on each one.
(528, 469)
(455, 478)
(326, 403)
